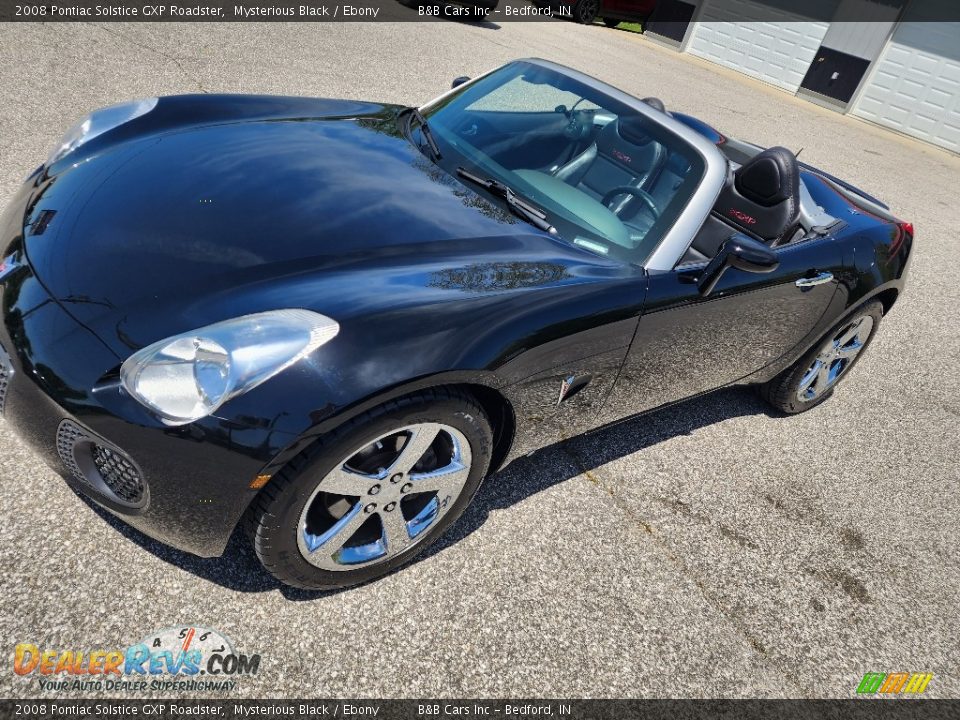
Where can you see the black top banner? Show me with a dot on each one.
(866, 709)
(496, 11)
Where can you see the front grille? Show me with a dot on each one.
(6, 372)
(99, 466)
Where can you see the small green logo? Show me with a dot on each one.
(900, 683)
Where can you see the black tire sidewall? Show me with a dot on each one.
(578, 11)
(783, 394)
(277, 526)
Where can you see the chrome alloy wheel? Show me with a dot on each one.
(381, 500)
(834, 358)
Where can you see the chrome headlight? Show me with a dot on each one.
(99, 122)
(187, 377)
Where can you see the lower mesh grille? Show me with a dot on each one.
(119, 474)
(68, 435)
(6, 372)
(99, 466)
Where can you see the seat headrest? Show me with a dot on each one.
(632, 129)
(770, 177)
(655, 103)
(763, 195)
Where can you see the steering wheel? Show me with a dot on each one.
(649, 203)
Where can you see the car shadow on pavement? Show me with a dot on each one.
(482, 24)
(238, 568)
(565, 460)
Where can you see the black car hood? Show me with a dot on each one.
(189, 223)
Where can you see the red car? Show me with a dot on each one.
(612, 12)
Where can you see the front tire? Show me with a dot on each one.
(812, 379)
(373, 494)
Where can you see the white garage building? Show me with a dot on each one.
(892, 62)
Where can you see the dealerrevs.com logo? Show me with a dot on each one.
(186, 658)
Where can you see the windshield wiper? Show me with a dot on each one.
(414, 113)
(531, 213)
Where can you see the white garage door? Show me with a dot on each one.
(915, 87)
(777, 50)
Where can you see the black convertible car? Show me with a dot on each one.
(332, 319)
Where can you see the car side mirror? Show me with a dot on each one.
(458, 81)
(741, 252)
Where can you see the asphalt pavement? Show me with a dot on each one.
(710, 549)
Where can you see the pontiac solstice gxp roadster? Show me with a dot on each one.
(327, 320)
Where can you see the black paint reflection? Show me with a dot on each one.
(491, 277)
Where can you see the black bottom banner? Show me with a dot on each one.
(522, 709)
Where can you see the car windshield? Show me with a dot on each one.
(608, 177)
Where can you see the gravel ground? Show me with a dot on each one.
(705, 550)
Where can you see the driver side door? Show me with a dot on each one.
(687, 344)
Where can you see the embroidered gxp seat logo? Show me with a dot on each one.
(743, 217)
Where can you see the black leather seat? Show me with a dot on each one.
(623, 154)
(761, 198)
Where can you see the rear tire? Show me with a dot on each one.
(373, 494)
(813, 378)
(585, 11)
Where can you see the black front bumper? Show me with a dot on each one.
(58, 395)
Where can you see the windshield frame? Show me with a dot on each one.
(680, 235)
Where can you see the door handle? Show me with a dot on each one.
(819, 279)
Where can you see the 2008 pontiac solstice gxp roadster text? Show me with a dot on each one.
(332, 319)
